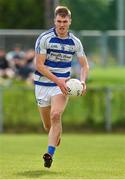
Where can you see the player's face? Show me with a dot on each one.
(62, 25)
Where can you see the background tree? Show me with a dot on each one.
(38, 14)
(22, 14)
(92, 14)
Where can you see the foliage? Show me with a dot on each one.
(21, 14)
(86, 14)
(92, 15)
(107, 77)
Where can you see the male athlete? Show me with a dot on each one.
(54, 52)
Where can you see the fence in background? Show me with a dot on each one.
(102, 48)
(101, 107)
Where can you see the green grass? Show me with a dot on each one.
(83, 156)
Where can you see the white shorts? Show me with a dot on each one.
(44, 93)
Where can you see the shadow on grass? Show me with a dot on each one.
(38, 173)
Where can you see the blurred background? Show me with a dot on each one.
(100, 24)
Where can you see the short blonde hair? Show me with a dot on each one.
(62, 11)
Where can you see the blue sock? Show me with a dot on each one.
(51, 150)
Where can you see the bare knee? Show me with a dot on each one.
(55, 116)
(56, 122)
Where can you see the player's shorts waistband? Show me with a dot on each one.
(45, 83)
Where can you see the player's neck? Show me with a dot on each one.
(64, 35)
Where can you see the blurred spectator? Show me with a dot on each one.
(29, 57)
(16, 52)
(17, 63)
(24, 66)
(5, 70)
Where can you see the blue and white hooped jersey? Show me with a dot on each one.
(59, 54)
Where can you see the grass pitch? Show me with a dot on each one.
(82, 156)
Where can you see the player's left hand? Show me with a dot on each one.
(84, 88)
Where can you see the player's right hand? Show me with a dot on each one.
(62, 85)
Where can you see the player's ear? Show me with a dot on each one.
(70, 21)
(54, 20)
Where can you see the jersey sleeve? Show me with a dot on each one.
(40, 46)
(79, 49)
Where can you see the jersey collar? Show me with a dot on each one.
(57, 34)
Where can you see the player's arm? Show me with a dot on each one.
(84, 70)
(39, 64)
(83, 63)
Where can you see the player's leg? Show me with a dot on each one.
(43, 101)
(58, 104)
(45, 117)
